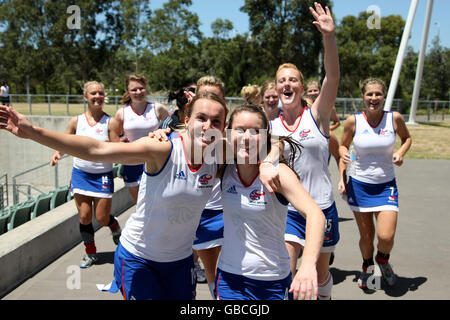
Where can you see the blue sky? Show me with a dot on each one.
(210, 10)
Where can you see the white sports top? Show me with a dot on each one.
(254, 227)
(136, 126)
(98, 131)
(169, 207)
(5, 92)
(374, 147)
(312, 165)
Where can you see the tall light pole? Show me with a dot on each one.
(419, 72)
(400, 55)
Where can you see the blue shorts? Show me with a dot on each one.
(132, 174)
(99, 185)
(230, 286)
(368, 197)
(296, 228)
(210, 230)
(141, 279)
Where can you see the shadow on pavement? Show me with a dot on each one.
(402, 286)
(105, 257)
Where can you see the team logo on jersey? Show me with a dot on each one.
(105, 182)
(304, 133)
(392, 199)
(232, 190)
(382, 132)
(180, 175)
(256, 194)
(204, 179)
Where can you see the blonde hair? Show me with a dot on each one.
(363, 84)
(250, 93)
(211, 81)
(87, 84)
(126, 99)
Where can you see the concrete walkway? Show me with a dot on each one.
(421, 255)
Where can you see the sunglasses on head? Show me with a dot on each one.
(190, 89)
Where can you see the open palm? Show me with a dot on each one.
(323, 19)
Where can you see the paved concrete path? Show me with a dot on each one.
(421, 255)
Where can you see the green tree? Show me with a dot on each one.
(173, 33)
(284, 32)
(436, 73)
(365, 52)
(222, 28)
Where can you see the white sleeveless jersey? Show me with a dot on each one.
(254, 227)
(374, 147)
(98, 131)
(312, 164)
(169, 207)
(136, 126)
(215, 203)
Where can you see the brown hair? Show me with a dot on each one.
(209, 96)
(87, 84)
(363, 84)
(295, 146)
(267, 85)
(126, 99)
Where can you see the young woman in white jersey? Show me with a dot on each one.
(135, 120)
(254, 262)
(154, 257)
(311, 127)
(270, 99)
(372, 190)
(92, 183)
(209, 235)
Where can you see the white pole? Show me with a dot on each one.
(419, 72)
(400, 55)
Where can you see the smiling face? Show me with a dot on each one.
(373, 97)
(247, 129)
(137, 91)
(95, 95)
(205, 120)
(270, 99)
(289, 86)
(312, 91)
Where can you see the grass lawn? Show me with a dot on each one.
(430, 140)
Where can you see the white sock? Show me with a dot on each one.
(324, 292)
(212, 286)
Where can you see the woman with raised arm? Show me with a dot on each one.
(154, 257)
(311, 128)
(92, 183)
(371, 188)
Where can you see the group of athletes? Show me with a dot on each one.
(249, 214)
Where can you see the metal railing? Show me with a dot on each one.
(70, 105)
(4, 191)
(37, 180)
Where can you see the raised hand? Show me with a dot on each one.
(14, 122)
(323, 19)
